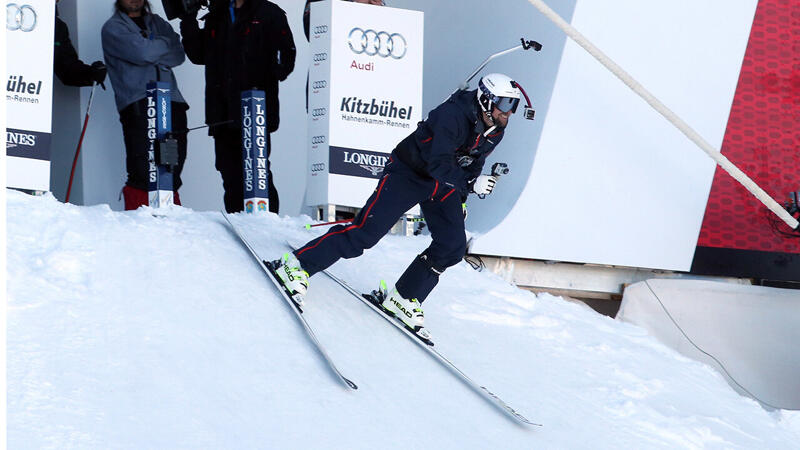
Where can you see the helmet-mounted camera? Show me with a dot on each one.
(496, 90)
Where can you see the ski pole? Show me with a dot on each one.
(310, 226)
(80, 142)
(211, 125)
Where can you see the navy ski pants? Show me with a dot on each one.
(397, 191)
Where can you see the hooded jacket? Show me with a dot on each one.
(449, 146)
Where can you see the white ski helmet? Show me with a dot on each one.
(496, 89)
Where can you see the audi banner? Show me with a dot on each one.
(365, 96)
(29, 91)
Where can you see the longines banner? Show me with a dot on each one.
(29, 31)
(365, 95)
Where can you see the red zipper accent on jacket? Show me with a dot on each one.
(477, 141)
(447, 195)
(435, 188)
(426, 140)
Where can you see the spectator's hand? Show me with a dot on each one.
(484, 185)
(99, 72)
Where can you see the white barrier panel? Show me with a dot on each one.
(751, 331)
(365, 96)
(612, 181)
(29, 91)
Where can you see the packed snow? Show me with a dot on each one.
(135, 330)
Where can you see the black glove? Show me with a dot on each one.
(99, 72)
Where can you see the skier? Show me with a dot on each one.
(436, 166)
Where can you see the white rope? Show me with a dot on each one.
(723, 162)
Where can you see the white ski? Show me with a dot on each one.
(481, 390)
(267, 267)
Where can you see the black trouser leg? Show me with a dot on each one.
(394, 195)
(228, 151)
(134, 131)
(179, 123)
(445, 220)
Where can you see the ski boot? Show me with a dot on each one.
(408, 311)
(292, 276)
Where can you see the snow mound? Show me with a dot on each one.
(127, 330)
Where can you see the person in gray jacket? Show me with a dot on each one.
(139, 47)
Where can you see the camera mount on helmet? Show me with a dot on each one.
(496, 90)
(529, 113)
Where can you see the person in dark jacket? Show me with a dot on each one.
(66, 65)
(244, 44)
(140, 47)
(436, 166)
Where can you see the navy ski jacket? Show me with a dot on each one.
(449, 145)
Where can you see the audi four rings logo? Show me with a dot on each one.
(20, 17)
(319, 57)
(318, 139)
(381, 43)
(321, 29)
(319, 112)
(318, 167)
(322, 84)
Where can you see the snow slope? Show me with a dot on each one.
(127, 330)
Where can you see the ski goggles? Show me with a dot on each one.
(506, 104)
